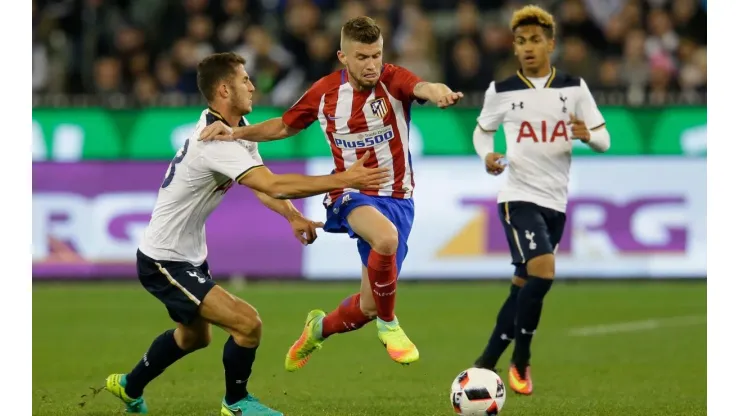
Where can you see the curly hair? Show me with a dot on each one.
(534, 15)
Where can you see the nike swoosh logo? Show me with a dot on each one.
(384, 285)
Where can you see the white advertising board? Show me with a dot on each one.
(627, 217)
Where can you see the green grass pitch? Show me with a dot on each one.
(83, 332)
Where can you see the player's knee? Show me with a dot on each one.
(197, 342)
(518, 281)
(542, 266)
(249, 333)
(189, 340)
(386, 243)
(248, 330)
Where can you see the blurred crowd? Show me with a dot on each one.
(141, 51)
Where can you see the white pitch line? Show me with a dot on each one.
(635, 326)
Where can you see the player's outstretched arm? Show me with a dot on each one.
(295, 186)
(269, 130)
(303, 229)
(438, 93)
(283, 207)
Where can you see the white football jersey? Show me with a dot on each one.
(193, 185)
(535, 114)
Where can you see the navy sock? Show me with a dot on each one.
(163, 352)
(529, 310)
(503, 332)
(237, 369)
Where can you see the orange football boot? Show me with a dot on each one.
(520, 385)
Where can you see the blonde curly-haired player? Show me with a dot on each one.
(542, 111)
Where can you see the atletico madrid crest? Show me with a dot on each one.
(379, 107)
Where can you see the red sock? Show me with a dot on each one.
(382, 271)
(346, 317)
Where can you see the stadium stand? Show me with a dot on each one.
(121, 53)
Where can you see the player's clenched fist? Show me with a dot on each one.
(304, 229)
(579, 129)
(360, 177)
(494, 164)
(450, 99)
(217, 131)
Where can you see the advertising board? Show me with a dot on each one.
(88, 219)
(627, 217)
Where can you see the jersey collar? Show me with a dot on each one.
(529, 84)
(222, 119)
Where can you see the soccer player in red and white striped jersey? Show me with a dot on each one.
(364, 108)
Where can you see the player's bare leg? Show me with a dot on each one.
(382, 271)
(166, 349)
(352, 314)
(541, 272)
(243, 324)
(505, 329)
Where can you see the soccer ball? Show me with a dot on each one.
(478, 392)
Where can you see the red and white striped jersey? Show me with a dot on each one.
(356, 122)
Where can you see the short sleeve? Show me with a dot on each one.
(306, 110)
(492, 114)
(232, 159)
(401, 83)
(587, 110)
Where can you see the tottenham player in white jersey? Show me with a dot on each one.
(171, 259)
(543, 111)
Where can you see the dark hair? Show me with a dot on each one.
(215, 68)
(361, 29)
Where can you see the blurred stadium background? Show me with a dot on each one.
(115, 96)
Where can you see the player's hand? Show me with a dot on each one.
(360, 177)
(579, 129)
(304, 229)
(217, 131)
(449, 100)
(494, 165)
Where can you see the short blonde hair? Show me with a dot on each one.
(534, 15)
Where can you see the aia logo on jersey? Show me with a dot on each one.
(527, 131)
(379, 107)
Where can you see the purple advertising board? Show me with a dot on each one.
(88, 219)
(616, 224)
